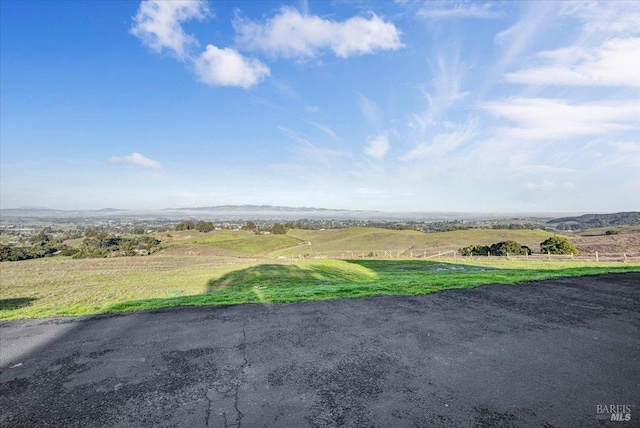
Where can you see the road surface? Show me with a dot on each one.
(540, 354)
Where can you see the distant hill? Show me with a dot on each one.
(269, 212)
(270, 208)
(592, 221)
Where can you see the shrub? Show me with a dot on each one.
(506, 248)
(186, 225)
(279, 229)
(558, 245)
(474, 250)
(204, 226)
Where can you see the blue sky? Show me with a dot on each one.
(393, 106)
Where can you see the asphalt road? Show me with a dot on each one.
(540, 354)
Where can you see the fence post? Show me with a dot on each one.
(625, 257)
(597, 258)
(548, 255)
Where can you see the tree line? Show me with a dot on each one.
(552, 245)
(95, 244)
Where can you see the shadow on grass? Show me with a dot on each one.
(288, 276)
(16, 303)
(267, 283)
(331, 279)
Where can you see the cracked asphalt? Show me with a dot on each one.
(538, 354)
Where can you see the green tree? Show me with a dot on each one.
(558, 245)
(186, 225)
(204, 226)
(250, 226)
(474, 250)
(279, 229)
(509, 248)
(40, 237)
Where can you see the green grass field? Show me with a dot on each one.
(58, 287)
(369, 239)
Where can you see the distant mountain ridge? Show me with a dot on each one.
(589, 221)
(278, 212)
(254, 208)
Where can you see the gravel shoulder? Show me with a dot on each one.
(537, 354)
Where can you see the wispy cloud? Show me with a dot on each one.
(136, 159)
(442, 144)
(377, 147)
(291, 34)
(555, 119)
(459, 10)
(615, 62)
(545, 169)
(626, 146)
(519, 37)
(370, 111)
(325, 129)
(619, 18)
(294, 135)
(443, 91)
(549, 186)
(625, 153)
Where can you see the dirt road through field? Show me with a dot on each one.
(538, 354)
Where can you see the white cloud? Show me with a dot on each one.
(549, 186)
(158, 24)
(448, 73)
(624, 153)
(291, 34)
(614, 63)
(136, 159)
(626, 146)
(328, 131)
(554, 119)
(442, 144)
(460, 10)
(311, 109)
(377, 147)
(545, 169)
(227, 67)
(370, 111)
(368, 191)
(519, 37)
(606, 17)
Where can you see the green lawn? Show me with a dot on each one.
(57, 287)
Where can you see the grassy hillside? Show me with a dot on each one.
(50, 287)
(589, 221)
(225, 243)
(367, 239)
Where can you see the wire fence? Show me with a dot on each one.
(414, 254)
